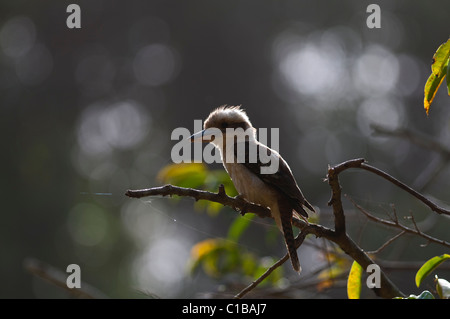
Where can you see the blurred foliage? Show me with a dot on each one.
(217, 256)
(220, 257)
(337, 265)
(198, 175)
(439, 69)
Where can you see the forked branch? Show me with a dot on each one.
(337, 235)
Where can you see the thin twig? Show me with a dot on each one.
(397, 225)
(434, 207)
(298, 242)
(373, 252)
(414, 223)
(434, 166)
(255, 283)
(414, 137)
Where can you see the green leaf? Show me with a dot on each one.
(354, 281)
(238, 226)
(216, 255)
(197, 175)
(439, 69)
(217, 177)
(440, 57)
(429, 266)
(249, 263)
(443, 288)
(184, 175)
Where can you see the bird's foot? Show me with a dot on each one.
(244, 209)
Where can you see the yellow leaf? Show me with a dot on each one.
(438, 72)
(431, 87)
(325, 284)
(201, 249)
(354, 281)
(204, 253)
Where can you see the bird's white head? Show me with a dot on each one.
(224, 121)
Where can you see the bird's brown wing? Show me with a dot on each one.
(282, 180)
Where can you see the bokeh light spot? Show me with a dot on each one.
(376, 71)
(17, 36)
(155, 65)
(120, 125)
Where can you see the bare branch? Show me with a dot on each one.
(335, 201)
(360, 163)
(397, 225)
(414, 137)
(238, 203)
(338, 235)
(435, 166)
(387, 243)
(406, 188)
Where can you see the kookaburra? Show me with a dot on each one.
(277, 190)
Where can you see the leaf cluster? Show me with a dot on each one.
(354, 282)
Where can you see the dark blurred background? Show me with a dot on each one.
(87, 114)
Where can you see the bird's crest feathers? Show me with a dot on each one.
(228, 115)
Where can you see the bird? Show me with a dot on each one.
(277, 190)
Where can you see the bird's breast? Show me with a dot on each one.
(250, 186)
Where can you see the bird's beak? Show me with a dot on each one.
(206, 135)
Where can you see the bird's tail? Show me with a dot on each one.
(286, 224)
